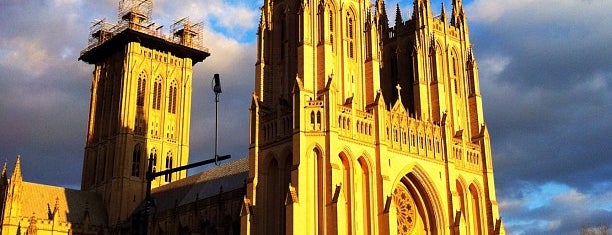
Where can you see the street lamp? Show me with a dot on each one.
(151, 175)
(217, 90)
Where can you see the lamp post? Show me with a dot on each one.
(217, 90)
(151, 175)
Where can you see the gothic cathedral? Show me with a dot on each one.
(362, 128)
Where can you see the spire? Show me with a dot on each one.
(398, 16)
(16, 176)
(457, 5)
(381, 15)
(458, 15)
(443, 15)
(3, 175)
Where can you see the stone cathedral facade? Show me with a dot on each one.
(362, 128)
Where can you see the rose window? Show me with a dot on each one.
(405, 210)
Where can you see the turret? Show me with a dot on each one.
(398, 16)
(458, 16)
(443, 14)
(16, 176)
(381, 16)
(421, 12)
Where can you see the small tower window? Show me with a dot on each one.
(141, 88)
(331, 29)
(172, 98)
(350, 35)
(153, 155)
(168, 177)
(157, 89)
(136, 161)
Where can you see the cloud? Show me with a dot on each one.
(555, 208)
(237, 19)
(545, 76)
(45, 90)
(545, 80)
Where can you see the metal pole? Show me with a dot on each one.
(150, 176)
(217, 90)
(216, 127)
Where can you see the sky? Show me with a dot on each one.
(545, 75)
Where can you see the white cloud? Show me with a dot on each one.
(234, 18)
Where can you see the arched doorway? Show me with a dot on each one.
(412, 210)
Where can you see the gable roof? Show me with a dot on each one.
(228, 177)
(40, 199)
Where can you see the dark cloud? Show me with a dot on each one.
(545, 74)
(45, 90)
(545, 78)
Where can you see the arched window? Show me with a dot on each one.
(365, 194)
(141, 89)
(172, 98)
(350, 35)
(475, 215)
(331, 29)
(454, 60)
(321, 24)
(274, 199)
(153, 156)
(312, 117)
(136, 161)
(433, 65)
(168, 177)
(347, 194)
(157, 89)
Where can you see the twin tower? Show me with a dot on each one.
(356, 127)
(362, 128)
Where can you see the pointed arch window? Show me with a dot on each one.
(136, 161)
(153, 156)
(321, 24)
(172, 98)
(157, 89)
(350, 34)
(331, 28)
(432, 64)
(168, 177)
(454, 60)
(141, 89)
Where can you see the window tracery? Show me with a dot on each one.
(405, 210)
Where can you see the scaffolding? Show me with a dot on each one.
(135, 15)
(184, 32)
(141, 7)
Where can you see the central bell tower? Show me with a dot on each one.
(140, 104)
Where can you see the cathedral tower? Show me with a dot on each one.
(362, 128)
(140, 104)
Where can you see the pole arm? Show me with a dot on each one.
(152, 175)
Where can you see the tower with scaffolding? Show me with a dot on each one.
(140, 104)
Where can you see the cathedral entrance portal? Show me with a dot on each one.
(412, 211)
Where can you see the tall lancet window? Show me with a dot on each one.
(350, 35)
(172, 98)
(136, 161)
(321, 24)
(140, 89)
(331, 28)
(168, 177)
(157, 89)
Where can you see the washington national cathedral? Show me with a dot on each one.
(356, 127)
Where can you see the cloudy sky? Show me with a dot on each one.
(545, 70)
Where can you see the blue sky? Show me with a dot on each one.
(545, 73)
